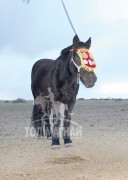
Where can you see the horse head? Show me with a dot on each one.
(82, 61)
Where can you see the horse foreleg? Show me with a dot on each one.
(55, 132)
(67, 124)
(66, 129)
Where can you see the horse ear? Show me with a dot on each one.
(76, 41)
(88, 43)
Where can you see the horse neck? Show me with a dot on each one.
(66, 67)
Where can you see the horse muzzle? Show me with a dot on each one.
(89, 80)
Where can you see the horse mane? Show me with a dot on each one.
(66, 50)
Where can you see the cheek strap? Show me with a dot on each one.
(78, 70)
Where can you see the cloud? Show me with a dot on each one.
(114, 89)
(15, 72)
(108, 11)
(51, 54)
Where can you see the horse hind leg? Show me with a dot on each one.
(46, 119)
(37, 114)
(47, 129)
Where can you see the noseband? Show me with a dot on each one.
(87, 61)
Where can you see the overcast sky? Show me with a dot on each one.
(40, 29)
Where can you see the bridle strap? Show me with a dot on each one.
(78, 68)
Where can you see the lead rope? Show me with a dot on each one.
(65, 9)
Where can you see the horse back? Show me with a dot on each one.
(39, 71)
(41, 64)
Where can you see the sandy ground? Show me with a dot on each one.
(100, 154)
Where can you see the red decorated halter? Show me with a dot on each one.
(87, 60)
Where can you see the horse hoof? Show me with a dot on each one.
(55, 147)
(55, 144)
(68, 143)
(49, 138)
(39, 136)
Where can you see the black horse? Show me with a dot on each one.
(55, 82)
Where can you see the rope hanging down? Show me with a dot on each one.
(65, 9)
(68, 16)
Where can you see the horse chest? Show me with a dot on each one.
(68, 91)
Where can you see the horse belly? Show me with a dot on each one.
(39, 77)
